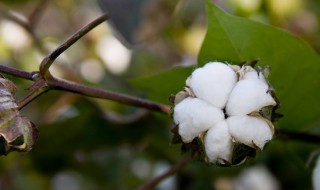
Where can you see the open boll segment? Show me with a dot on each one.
(251, 131)
(248, 96)
(233, 103)
(195, 116)
(218, 144)
(213, 83)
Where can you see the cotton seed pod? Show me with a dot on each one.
(213, 83)
(218, 144)
(251, 131)
(249, 96)
(195, 116)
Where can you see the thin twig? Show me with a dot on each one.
(78, 88)
(49, 59)
(174, 169)
(17, 72)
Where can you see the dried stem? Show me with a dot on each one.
(49, 59)
(64, 85)
(17, 72)
(41, 86)
(174, 169)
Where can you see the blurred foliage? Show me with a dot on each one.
(86, 143)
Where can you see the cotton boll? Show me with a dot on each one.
(249, 96)
(218, 143)
(316, 175)
(213, 83)
(251, 131)
(195, 116)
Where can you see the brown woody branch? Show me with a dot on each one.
(49, 59)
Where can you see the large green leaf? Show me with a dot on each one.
(295, 66)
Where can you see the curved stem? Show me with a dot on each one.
(174, 169)
(49, 59)
(64, 85)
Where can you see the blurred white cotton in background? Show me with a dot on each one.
(257, 177)
(14, 35)
(141, 168)
(92, 71)
(115, 56)
(70, 180)
(316, 175)
(170, 182)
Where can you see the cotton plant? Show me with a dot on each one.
(225, 112)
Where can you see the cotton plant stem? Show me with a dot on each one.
(16, 72)
(49, 59)
(41, 86)
(63, 85)
(174, 169)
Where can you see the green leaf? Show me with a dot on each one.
(295, 66)
(159, 87)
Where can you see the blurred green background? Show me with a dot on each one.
(88, 143)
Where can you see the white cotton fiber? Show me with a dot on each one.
(248, 96)
(250, 130)
(316, 175)
(253, 75)
(195, 116)
(213, 83)
(218, 143)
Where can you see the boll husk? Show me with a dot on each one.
(225, 112)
